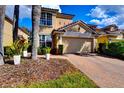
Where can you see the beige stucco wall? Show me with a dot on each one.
(61, 22)
(7, 35)
(78, 45)
(120, 36)
(77, 28)
(23, 34)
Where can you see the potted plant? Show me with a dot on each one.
(16, 49)
(47, 51)
(25, 47)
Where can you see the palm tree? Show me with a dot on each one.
(36, 14)
(15, 22)
(2, 16)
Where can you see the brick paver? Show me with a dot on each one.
(105, 72)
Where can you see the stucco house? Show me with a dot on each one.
(74, 36)
(109, 33)
(51, 19)
(7, 33)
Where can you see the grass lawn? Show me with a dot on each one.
(68, 80)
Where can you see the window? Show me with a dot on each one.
(46, 19)
(45, 40)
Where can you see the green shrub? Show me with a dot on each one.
(7, 51)
(25, 46)
(39, 51)
(43, 50)
(47, 50)
(17, 47)
(115, 49)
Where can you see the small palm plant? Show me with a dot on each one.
(25, 47)
(17, 49)
(47, 52)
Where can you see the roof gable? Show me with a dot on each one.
(72, 26)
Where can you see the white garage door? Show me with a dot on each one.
(77, 45)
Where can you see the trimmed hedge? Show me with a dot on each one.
(41, 50)
(7, 51)
(115, 49)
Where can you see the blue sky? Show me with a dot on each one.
(91, 14)
(79, 11)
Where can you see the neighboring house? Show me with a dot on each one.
(51, 19)
(109, 33)
(76, 37)
(7, 33)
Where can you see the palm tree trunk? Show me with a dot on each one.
(36, 14)
(2, 17)
(15, 22)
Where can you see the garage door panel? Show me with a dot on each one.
(76, 45)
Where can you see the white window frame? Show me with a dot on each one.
(46, 19)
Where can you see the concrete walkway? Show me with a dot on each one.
(105, 72)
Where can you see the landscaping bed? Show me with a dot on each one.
(28, 73)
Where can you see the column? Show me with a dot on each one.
(60, 41)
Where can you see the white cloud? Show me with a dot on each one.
(105, 21)
(96, 21)
(109, 21)
(53, 6)
(24, 11)
(98, 13)
(105, 15)
(10, 10)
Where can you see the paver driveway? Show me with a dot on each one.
(105, 72)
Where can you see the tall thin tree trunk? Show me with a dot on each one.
(36, 14)
(15, 22)
(2, 17)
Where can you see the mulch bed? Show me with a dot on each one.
(29, 71)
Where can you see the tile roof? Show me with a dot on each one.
(75, 23)
(49, 10)
(64, 15)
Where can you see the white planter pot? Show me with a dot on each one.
(17, 59)
(25, 53)
(1, 59)
(47, 56)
